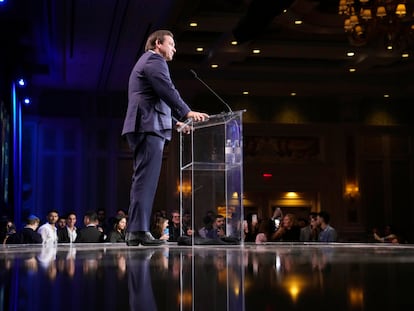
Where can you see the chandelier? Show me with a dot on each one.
(386, 22)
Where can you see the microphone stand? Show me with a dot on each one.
(211, 90)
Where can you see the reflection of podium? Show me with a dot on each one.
(211, 171)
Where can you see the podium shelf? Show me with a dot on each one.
(205, 166)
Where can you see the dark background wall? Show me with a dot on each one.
(75, 159)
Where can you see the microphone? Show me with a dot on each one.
(210, 89)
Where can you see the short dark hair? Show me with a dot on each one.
(325, 216)
(92, 215)
(157, 35)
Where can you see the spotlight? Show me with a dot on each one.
(21, 82)
(27, 101)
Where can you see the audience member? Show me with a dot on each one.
(90, 233)
(117, 234)
(48, 231)
(174, 226)
(28, 234)
(389, 236)
(276, 220)
(61, 223)
(9, 230)
(288, 231)
(217, 230)
(327, 233)
(251, 228)
(160, 229)
(263, 233)
(208, 220)
(68, 233)
(102, 221)
(186, 222)
(310, 233)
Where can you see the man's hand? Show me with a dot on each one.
(197, 116)
(186, 129)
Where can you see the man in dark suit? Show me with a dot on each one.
(90, 233)
(153, 103)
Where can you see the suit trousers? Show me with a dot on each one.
(147, 160)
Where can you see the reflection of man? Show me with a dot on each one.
(152, 102)
(140, 290)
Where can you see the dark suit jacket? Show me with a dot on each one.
(152, 98)
(63, 236)
(89, 234)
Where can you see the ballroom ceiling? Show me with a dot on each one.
(91, 45)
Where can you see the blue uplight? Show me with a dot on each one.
(27, 101)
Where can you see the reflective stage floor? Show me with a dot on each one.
(268, 277)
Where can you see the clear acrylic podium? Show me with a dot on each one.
(211, 171)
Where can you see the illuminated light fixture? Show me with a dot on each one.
(214, 66)
(193, 24)
(405, 55)
(351, 191)
(298, 22)
(292, 195)
(387, 22)
(350, 54)
(21, 82)
(386, 95)
(234, 42)
(199, 49)
(27, 101)
(267, 175)
(245, 92)
(256, 51)
(293, 94)
(352, 69)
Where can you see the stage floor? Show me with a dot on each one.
(275, 276)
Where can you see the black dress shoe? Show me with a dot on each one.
(147, 239)
(132, 238)
(144, 238)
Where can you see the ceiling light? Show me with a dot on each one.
(293, 94)
(386, 95)
(390, 21)
(234, 42)
(214, 66)
(245, 92)
(298, 22)
(350, 54)
(256, 51)
(193, 24)
(405, 55)
(352, 69)
(199, 49)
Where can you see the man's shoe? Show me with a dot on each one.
(132, 238)
(147, 239)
